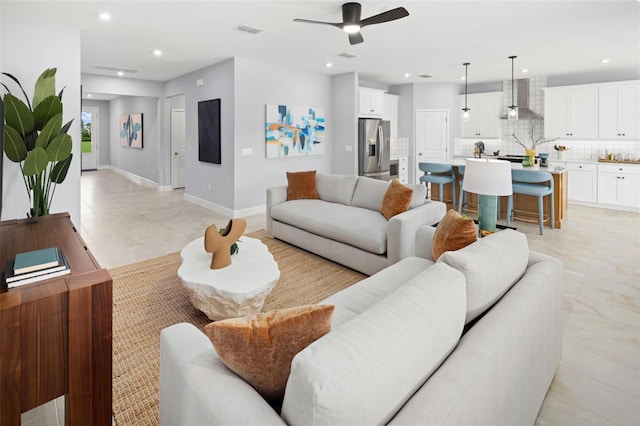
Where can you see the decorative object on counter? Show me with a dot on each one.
(544, 159)
(560, 149)
(35, 138)
(513, 108)
(530, 151)
(489, 179)
(219, 243)
(478, 149)
(466, 109)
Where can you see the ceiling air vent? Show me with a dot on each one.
(424, 76)
(114, 69)
(248, 29)
(347, 55)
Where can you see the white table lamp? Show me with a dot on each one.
(489, 179)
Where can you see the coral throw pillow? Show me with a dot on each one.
(260, 348)
(301, 185)
(453, 233)
(396, 200)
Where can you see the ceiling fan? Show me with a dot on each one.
(351, 23)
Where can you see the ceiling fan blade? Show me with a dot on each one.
(389, 15)
(308, 21)
(355, 38)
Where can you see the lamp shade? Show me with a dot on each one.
(487, 177)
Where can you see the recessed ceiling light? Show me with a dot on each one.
(604, 61)
(88, 95)
(406, 74)
(328, 65)
(120, 73)
(463, 78)
(157, 52)
(104, 16)
(524, 70)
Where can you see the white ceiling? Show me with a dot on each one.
(549, 37)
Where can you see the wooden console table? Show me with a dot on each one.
(55, 335)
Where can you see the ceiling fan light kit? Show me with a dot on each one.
(352, 24)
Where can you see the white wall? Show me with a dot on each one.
(256, 85)
(26, 49)
(104, 130)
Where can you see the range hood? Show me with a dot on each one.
(524, 113)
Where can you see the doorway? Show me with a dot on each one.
(432, 134)
(90, 136)
(178, 142)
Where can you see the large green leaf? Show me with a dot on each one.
(47, 109)
(17, 114)
(59, 172)
(19, 85)
(36, 162)
(50, 131)
(45, 86)
(59, 148)
(66, 127)
(14, 145)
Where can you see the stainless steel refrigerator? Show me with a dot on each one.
(373, 148)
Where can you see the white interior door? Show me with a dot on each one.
(432, 134)
(89, 149)
(178, 160)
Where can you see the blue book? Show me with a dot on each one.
(36, 260)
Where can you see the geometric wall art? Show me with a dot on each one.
(294, 131)
(131, 130)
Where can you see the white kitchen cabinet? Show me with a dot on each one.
(571, 112)
(390, 112)
(619, 111)
(583, 182)
(484, 116)
(371, 102)
(619, 184)
(403, 169)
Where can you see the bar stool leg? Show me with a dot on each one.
(540, 213)
(552, 211)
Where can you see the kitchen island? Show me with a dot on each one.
(525, 206)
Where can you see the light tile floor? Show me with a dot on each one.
(598, 381)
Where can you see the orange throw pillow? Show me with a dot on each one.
(260, 348)
(301, 185)
(453, 233)
(396, 200)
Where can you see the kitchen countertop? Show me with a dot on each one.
(459, 161)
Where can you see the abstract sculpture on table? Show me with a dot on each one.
(219, 243)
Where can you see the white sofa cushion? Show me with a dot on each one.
(335, 188)
(365, 370)
(361, 228)
(491, 266)
(369, 193)
(419, 194)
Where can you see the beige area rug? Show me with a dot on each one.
(148, 296)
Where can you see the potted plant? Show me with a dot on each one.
(35, 138)
(530, 152)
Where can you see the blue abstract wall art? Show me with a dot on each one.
(294, 131)
(131, 130)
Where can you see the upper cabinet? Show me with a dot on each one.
(390, 113)
(371, 103)
(619, 111)
(484, 116)
(571, 112)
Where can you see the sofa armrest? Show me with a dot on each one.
(275, 195)
(401, 232)
(197, 388)
(424, 241)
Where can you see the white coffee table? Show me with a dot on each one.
(236, 290)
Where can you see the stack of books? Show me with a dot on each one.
(34, 266)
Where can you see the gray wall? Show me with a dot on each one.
(22, 54)
(104, 130)
(345, 123)
(140, 162)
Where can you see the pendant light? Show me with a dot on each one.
(513, 109)
(465, 110)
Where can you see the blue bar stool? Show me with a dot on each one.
(463, 197)
(530, 183)
(440, 174)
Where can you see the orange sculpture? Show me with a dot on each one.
(219, 244)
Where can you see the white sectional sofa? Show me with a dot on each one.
(345, 224)
(473, 339)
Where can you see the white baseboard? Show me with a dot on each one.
(233, 214)
(165, 188)
(139, 179)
